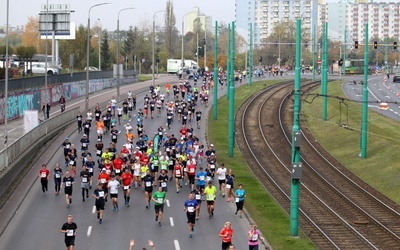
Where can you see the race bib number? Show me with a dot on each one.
(70, 232)
(90, 170)
(191, 170)
(190, 209)
(84, 144)
(202, 178)
(208, 178)
(254, 237)
(212, 166)
(97, 114)
(126, 187)
(84, 179)
(117, 171)
(163, 184)
(67, 183)
(103, 180)
(58, 175)
(101, 194)
(228, 185)
(178, 172)
(71, 163)
(43, 175)
(170, 162)
(98, 152)
(86, 126)
(160, 200)
(68, 146)
(114, 137)
(148, 183)
(236, 199)
(198, 197)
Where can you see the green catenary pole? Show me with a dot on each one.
(228, 78)
(295, 180)
(313, 53)
(231, 115)
(364, 118)
(325, 72)
(215, 100)
(344, 51)
(250, 69)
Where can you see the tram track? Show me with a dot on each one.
(337, 209)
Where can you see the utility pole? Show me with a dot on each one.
(215, 100)
(364, 117)
(250, 71)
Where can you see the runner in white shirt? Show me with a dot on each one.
(221, 172)
(113, 186)
(136, 173)
(120, 110)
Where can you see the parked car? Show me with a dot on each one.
(396, 78)
(41, 69)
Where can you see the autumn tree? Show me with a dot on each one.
(171, 33)
(31, 36)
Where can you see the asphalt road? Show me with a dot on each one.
(379, 89)
(36, 222)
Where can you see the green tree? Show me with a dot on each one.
(170, 29)
(105, 51)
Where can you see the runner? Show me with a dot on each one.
(69, 229)
(191, 173)
(67, 183)
(100, 196)
(113, 105)
(57, 174)
(210, 192)
(190, 207)
(86, 127)
(159, 200)
(163, 180)
(254, 236)
(120, 111)
(226, 235)
(198, 196)
(85, 182)
(178, 171)
(62, 103)
(113, 186)
(100, 127)
(148, 187)
(79, 119)
(126, 179)
(198, 117)
(221, 172)
(201, 181)
(90, 168)
(85, 142)
(230, 178)
(66, 146)
(44, 175)
(240, 194)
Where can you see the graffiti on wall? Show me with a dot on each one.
(33, 99)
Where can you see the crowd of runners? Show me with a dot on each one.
(149, 162)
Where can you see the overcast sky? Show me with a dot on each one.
(20, 10)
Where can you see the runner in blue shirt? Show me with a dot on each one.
(240, 194)
(190, 208)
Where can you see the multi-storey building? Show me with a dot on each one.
(194, 18)
(264, 14)
(350, 18)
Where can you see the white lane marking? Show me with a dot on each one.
(89, 231)
(167, 201)
(176, 243)
(93, 209)
(171, 220)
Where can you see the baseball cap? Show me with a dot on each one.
(84, 134)
(66, 138)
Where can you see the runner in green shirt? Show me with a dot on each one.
(210, 192)
(159, 200)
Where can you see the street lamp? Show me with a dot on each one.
(119, 12)
(154, 43)
(87, 56)
(183, 36)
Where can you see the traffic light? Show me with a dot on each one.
(204, 41)
(394, 45)
(356, 44)
(340, 62)
(375, 45)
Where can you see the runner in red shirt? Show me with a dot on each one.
(183, 131)
(144, 159)
(118, 162)
(191, 172)
(126, 179)
(108, 165)
(103, 178)
(44, 175)
(178, 173)
(226, 235)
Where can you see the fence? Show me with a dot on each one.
(28, 140)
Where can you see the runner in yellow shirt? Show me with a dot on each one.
(210, 193)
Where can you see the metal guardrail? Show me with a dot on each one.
(26, 141)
